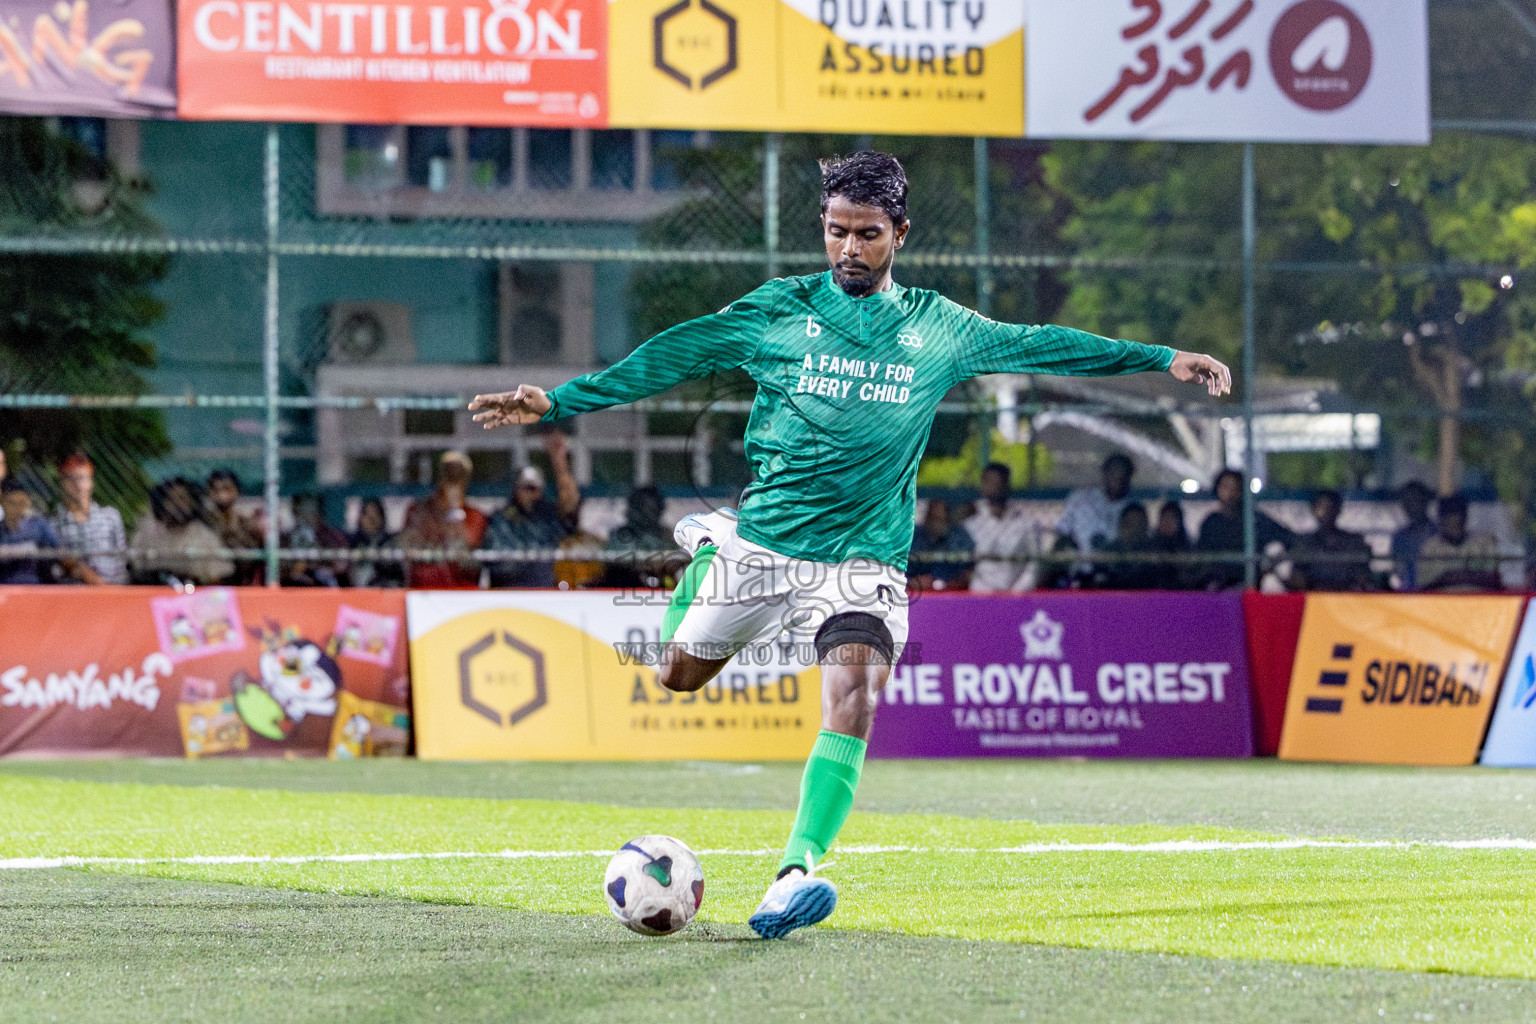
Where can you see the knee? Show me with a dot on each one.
(679, 675)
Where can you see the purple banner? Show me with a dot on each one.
(1054, 675)
(99, 58)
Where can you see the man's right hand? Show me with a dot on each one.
(527, 404)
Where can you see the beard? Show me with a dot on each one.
(858, 279)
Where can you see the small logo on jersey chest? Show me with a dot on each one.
(909, 339)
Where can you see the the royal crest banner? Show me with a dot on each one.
(219, 671)
(1080, 675)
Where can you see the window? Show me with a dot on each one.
(549, 158)
(372, 158)
(428, 158)
(509, 173)
(613, 159)
(490, 158)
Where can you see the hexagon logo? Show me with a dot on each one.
(502, 679)
(694, 43)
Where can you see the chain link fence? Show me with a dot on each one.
(312, 306)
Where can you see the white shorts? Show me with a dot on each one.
(751, 594)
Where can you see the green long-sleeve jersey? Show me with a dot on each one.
(846, 393)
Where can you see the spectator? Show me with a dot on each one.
(1091, 515)
(1222, 533)
(1134, 570)
(1171, 538)
(22, 536)
(372, 536)
(1330, 558)
(1408, 541)
(1004, 537)
(531, 523)
(443, 522)
(579, 572)
(1454, 560)
(310, 530)
(235, 529)
(173, 544)
(938, 534)
(641, 532)
(93, 532)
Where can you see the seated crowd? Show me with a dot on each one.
(1104, 539)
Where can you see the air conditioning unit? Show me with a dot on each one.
(370, 333)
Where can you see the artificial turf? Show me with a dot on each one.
(1276, 934)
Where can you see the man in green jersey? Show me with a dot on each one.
(850, 367)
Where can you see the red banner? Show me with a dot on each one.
(480, 62)
(1274, 627)
(247, 672)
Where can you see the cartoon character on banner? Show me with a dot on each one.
(299, 678)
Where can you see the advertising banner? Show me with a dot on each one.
(98, 58)
(1239, 70)
(1274, 627)
(1098, 675)
(138, 672)
(539, 675)
(480, 62)
(1396, 679)
(1511, 739)
(909, 67)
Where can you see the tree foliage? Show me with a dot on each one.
(74, 324)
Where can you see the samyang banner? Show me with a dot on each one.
(536, 675)
(1229, 70)
(451, 62)
(1396, 678)
(99, 58)
(1053, 675)
(906, 67)
(139, 672)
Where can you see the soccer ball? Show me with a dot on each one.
(654, 885)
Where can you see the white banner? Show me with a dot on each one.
(1228, 70)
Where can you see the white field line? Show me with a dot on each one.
(1168, 846)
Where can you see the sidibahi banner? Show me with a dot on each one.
(101, 58)
(136, 672)
(1053, 675)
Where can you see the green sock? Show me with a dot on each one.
(686, 590)
(826, 795)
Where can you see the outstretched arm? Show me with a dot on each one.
(992, 347)
(698, 348)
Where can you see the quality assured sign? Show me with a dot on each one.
(1259, 70)
(1101, 675)
(912, 67)
(483, 62)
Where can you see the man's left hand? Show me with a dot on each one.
(1193, 367)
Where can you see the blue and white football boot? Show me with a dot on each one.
(703, 529)
(798, 900)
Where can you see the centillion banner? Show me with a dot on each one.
(535, 675)
(1396, 679)
(481, 62)
(910, 67)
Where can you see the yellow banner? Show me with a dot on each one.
(549, 676)
(1396, 679)
(912, 67)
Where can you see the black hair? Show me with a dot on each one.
(160, 501)
(1133, 507)
(868, 179)
(1119, 459)
(1173, 506)
(10, 485)
(997, 467)
(1331, 495)
(222, 475)
(1234, 474)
